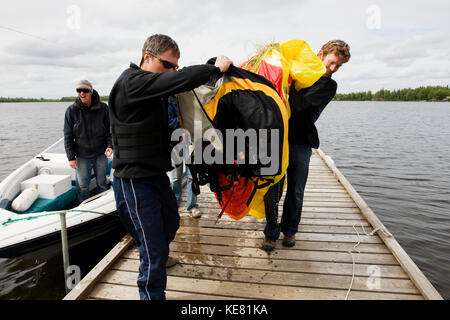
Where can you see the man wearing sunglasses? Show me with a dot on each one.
(139, 124)
(87, 139)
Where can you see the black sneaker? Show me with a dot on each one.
(268, 245)
(289, 241)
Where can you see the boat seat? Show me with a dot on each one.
(62, 201)
(62, 167)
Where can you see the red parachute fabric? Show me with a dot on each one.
(274, 74)
(239, 193)
(267, 63)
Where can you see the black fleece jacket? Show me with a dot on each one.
(138, 103)
(306, 106)
(86, 129)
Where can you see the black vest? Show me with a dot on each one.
(144, 143)
(141, 138)
(139, 121)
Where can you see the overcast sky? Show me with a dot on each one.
(47, 46)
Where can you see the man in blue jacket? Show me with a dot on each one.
(87, 139)
(306, 107)
(176, 175)
(140, 130)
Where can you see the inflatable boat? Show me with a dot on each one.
(32, 199)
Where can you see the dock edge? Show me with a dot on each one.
(416, 275)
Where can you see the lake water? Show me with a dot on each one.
(395, 154)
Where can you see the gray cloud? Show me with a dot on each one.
(410, 48)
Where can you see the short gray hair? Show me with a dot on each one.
(160, 43)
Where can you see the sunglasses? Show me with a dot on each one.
(84, 90)
(166, 64)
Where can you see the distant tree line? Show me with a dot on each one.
(8, 99)
(429, 93)
(63, 99)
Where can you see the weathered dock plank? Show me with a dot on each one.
(342, 250)
(253, 290)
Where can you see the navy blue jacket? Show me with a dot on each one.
(172, 110)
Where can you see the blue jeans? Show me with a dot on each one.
(148, 210)
(297, 174)
(176, 178)
(84, 174)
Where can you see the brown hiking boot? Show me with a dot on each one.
(289, 241)
(171, 261)
(268, 245)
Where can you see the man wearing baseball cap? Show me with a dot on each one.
(87, 139)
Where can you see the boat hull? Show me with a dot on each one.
(50, 245)
(38, 228)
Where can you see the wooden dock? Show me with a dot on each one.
(342, 251)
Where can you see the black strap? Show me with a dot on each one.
(135, 129)
(226, 204)
(198, 100)
(253, 192)
(201, 106)
(134, 154)
(195, 184)
(154, 151)
(265, 184)
(140, 140)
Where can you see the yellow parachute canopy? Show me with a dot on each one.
(287, 62)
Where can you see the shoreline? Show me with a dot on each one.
(106, 100)
(62, 99)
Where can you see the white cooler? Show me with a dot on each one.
(50, 186)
